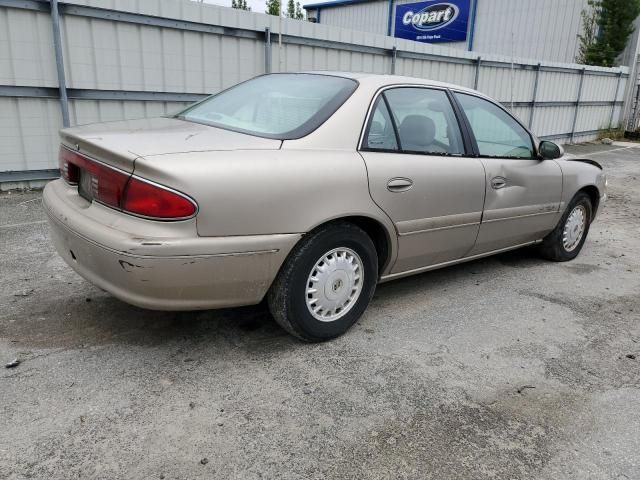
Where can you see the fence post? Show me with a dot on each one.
(633, 116)
(477, 79)
(267, 50)
(535, 95)
(615, 100)
(57, 46)
(575, 113)
(394, 55)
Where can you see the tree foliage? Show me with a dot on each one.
(272, 7)
(294, 10)
(606, 28)
(240, 5)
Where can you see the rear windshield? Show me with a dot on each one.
(281, 106)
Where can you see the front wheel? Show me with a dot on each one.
(326, 283)
(566, 240)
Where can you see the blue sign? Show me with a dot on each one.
(433, 21)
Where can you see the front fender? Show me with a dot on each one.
(582, 174)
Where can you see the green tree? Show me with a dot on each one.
(606, 28)
(587, 39)
(272, 7)
(294, 10)
(291, 9)
(240, 5)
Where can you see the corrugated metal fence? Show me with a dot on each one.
(122, 59)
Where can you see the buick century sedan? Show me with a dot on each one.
(307, 190)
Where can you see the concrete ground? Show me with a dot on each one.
(509, 367)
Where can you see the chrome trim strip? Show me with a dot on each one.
(423, 225)
(512, 213)
(93, 159)
(439, 229)
(394, 276)
(495, 220)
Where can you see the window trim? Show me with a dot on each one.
(462, 126)
(472, 137)
(376, 103)
(396, 132)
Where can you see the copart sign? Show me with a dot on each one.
(433, 21)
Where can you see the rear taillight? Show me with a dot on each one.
(106, 184)
(123, 191)
(151, 200)
(68, 168)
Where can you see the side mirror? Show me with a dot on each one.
(549, 150)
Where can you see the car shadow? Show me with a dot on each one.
(522, 258)
(89, 317)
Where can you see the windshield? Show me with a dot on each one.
(281, 106)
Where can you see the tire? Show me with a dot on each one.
(554, 247)
(289, 296)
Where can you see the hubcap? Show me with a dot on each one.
(574, 228)
(334, 284)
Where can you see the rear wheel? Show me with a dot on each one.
(326, 283)
(566, 240)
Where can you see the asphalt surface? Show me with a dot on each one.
(505, 368)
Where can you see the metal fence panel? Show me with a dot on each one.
(550, 121)
(372, 18)
(28, 133)
(127, 59)
(26, 57)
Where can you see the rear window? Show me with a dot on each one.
(280, 106)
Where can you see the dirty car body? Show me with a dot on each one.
(213, 207)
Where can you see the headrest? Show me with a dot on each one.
(416, 131)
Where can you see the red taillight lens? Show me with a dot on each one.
(154, 201)
(68, 169)
(120, 190)
(105, 184)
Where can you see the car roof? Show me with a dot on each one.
(382, 80)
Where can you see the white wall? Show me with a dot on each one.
(542, 29)
(114, 55)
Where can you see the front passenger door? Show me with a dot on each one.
(523, 193)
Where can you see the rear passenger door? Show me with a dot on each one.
(422, 175)
(523, 192)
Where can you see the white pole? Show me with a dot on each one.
(512, 70)
(280, 38)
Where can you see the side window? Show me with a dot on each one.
(497, 134)
(425, 120)
(380, 133)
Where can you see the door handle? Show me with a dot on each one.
(399, 184)
(498, 182)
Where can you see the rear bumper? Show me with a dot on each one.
(167, 268)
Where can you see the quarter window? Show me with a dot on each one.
(380, 134)
(425, 121)
(497, 133)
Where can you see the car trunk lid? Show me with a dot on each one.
(118, 144)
